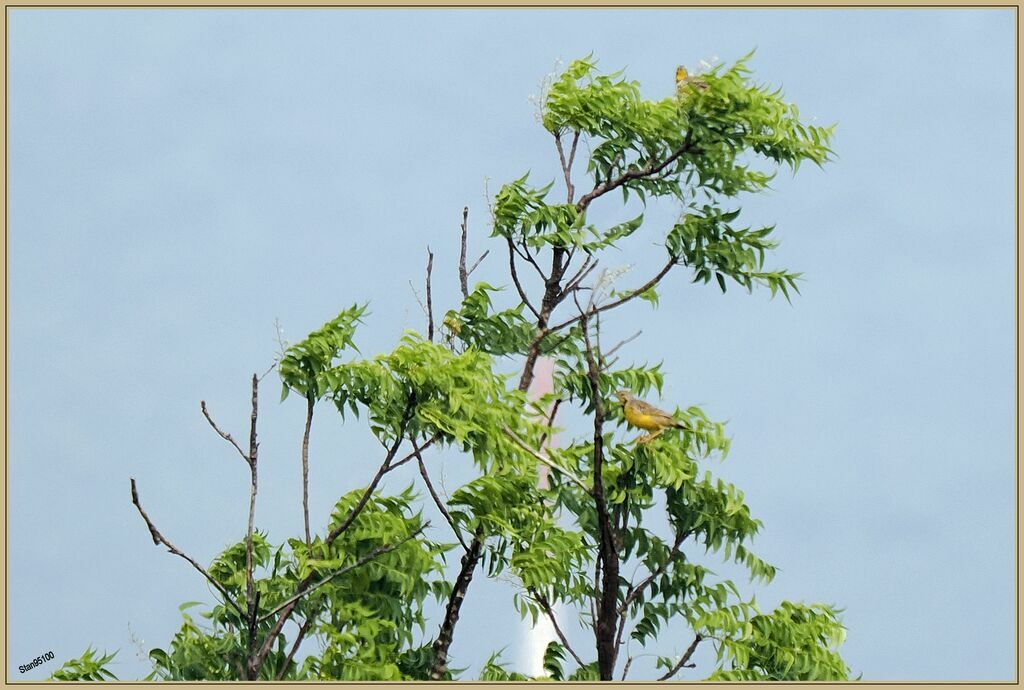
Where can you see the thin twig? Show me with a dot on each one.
(625, 669)
(588, 265)
(566, 171)
(684, 658)
(477, 263)
(384, 469)
(380, 550)
(625, 298)
(252, 597)
(551, 420)
(437, 499)
(526, 256)
(305, 465)
(636, 591)
(542, 600)
(159, 539)
(430, 304)
(227, 437)
(540, 458)
(412, 454)
(615, 349)
(306, 625)
(463, 274)
(515, 278)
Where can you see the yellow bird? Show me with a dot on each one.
(683, 79)
(645, 416)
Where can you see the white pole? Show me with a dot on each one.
(536, 638)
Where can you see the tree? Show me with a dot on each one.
(359, 584)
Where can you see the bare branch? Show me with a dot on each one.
(625, 669)
(463, 274)
(684, 658)
(305, 466)
(572, 157)
(625, 298)
(251, 596)
(615, 349)
(306, 625)
(412, 454)
(227, 437)
(159, 539)
(437, 499)
(430, 304)
(477, 263)
(551, 421)
(585, 268)
(542, 600)
(566, 167)
(515, 278)
(526, 256)
(384, 469)
(380, 550)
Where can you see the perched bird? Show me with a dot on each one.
(684, 80)
(646, 416)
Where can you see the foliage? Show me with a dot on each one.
(89, 666)
(719, 136)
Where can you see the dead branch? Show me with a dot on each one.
(159, 539)
(430, 304)
(684, 658)
(227, 437)
(463, 274)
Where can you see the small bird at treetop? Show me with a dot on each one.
(683, 79)
(645, 416)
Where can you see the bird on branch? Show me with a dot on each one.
(645, 416)
(684, 81)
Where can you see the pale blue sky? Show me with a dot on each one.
(179, 179)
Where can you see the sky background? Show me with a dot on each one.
(181, 179)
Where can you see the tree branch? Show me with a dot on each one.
(251, 596)
(305, 465)
(437, 499)
(515, 278)
(684, 658)
(551, 421)
(542, 600)
(625, 298)
(636, 591)
(652, 168)
(159, 539)
(430, 304)
(306, 625)
(451, 615)
(477, 263)
(566, 165)
(463, 274)
(384, 469)
(608, 546)
(227, 437)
